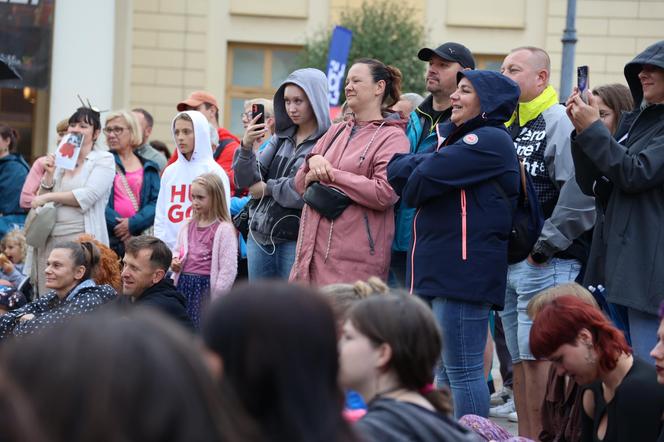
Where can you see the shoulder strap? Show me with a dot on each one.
(127, 188)
(220, 148)
(336, 135)
(523, 195)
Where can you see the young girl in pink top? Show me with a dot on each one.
(205, 256)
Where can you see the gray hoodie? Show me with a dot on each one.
(278, 162)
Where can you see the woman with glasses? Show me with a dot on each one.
(133, 199)
(80, 194)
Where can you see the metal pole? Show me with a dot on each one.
(569, 43)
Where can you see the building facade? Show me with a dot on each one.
(153, 53)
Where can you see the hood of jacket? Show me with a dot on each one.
(314, 84)
(391, 420)
(498, 95)
(15, 157)
(653, 55)
(202, 148)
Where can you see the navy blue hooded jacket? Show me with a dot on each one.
(13, 171)
(463, 221)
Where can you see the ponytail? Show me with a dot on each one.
(441, 399)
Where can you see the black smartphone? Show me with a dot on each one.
(258, 109)
(582, 81)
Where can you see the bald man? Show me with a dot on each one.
(541, 132)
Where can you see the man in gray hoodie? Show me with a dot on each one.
(301, 117)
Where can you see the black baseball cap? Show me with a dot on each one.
(451, 52)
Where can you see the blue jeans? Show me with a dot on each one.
(643, 331)
(464, 326)
(524, 281)
(262, 265)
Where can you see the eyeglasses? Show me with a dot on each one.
(116, 130)
(248, 115)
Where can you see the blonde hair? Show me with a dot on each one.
(134, 128)
(62, 126)
(215, 190)
(543, 298)
(343, 296)
(17, 236)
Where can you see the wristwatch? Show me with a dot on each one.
(540, 254)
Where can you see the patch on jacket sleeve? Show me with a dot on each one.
(470, 139)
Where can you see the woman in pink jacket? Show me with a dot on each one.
(347, 223)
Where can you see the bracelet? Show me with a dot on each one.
(44, 186)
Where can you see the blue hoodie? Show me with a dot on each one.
(462, 223)
(13, 171)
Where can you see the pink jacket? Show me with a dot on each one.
(224, 256)
(358, 243)
(32, 182)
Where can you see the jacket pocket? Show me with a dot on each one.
(372, 244)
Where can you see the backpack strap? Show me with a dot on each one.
(523, 194)
(220, 148)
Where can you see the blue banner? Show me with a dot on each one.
(336, 62)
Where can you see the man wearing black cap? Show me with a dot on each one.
(444, 63)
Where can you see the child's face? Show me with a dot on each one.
(13, 251)
(200, 200)
(184, 136)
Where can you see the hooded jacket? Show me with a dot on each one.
(223, 154)
(279, 161)
(174, 200)
(358, 243)
(462, 223)
(13, 171)
(633, 233)
(389, 420)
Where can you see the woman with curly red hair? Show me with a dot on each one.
(623, 401)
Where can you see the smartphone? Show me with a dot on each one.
(258, 109)
(582, 82)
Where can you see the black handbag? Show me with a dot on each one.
(241, 221)
(326, 200)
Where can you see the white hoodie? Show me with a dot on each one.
(174, 201)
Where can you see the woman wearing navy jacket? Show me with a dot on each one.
(458, 255)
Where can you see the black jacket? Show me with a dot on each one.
(389, 420)
(164, 297)
(631, 246)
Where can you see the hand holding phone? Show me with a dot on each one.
(258, 109)
(582, 82)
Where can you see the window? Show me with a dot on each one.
(254, 71)
(489, 62)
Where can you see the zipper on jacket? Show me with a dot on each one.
(463, 225)
(372, 249)
(412, 253)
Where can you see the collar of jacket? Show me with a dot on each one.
(530, 110)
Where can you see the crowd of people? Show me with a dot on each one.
(379, 257)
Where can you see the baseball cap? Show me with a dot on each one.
(197, 98)
(449, 51)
